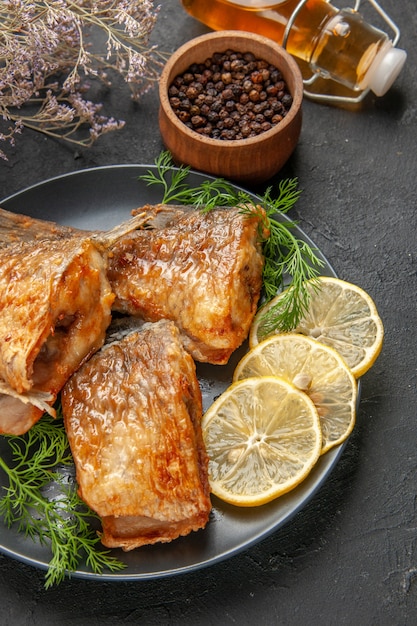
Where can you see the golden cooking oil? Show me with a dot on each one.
(337, 44)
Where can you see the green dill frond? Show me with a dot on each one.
(170, 179)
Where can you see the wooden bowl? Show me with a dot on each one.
(254, 159)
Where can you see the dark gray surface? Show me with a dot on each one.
(349, 556)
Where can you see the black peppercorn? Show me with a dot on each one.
(197, 120)
(230, 96)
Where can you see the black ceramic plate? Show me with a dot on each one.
(100, 198)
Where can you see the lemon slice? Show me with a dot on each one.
(262, 437)
(340, 315)
(316, 369)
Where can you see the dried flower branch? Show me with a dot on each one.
(48, 50)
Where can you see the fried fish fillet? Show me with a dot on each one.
(55, 306)
(201, 270)
(132, 414)
(16, 227)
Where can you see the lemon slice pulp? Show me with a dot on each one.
(314, 368)
(340, 315)
(263, 437)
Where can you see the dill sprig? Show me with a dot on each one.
(176, 189)
(289, 261)
(61, 520)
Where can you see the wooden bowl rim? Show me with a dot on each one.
(228, 35)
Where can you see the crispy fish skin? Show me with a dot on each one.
(19, 412)
(16, 227)
(54, 311)
(55, 307)
(202, 270)
(132, 414)
(60, 282)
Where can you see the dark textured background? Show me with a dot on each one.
(349, 556)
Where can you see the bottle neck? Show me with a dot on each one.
(343, 48)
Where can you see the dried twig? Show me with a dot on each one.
(46, 58)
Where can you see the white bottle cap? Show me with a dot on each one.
(384, 69)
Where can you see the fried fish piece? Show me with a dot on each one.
(16, 227)
(55, 307)
(201, 270)
(132, 414)
(54, 310)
